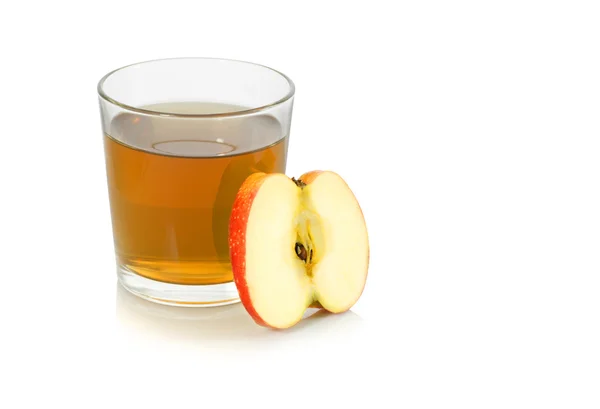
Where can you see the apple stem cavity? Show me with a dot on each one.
(298, 182)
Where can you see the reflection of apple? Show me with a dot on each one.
(267, 160)
(296, 244)
(233, 176)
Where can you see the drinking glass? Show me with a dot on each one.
(180, 137)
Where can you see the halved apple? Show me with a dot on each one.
(295, 244)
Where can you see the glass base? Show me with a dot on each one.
(210, 295)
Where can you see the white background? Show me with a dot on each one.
(468, 131)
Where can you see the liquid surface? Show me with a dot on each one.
(172, 183)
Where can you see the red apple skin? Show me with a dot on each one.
(309, 177)
(238, 222)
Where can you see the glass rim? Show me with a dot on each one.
(286, 97)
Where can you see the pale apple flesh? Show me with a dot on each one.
(296, 244)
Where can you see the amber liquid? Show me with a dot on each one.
(172, 183)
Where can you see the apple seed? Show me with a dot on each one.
(301, 252)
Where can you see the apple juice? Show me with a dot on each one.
(172, 185)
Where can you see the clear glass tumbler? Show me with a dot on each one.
(180, 137)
